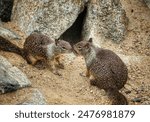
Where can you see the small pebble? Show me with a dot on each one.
(136, 100)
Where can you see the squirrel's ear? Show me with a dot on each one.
(87, 45)
(56, 41)
(90, 40)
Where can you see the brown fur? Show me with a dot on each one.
(38, 47)
(105, 70)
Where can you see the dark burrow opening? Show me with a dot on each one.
(6, 10)
(74, 33)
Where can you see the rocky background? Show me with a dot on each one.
(119, 25)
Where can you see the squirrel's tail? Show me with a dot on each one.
(6, 45)
(116, 97)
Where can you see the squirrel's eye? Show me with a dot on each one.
(79, 47)
(63, 48)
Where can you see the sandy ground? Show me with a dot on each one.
(71, 87)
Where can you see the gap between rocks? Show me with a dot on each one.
(74, 33)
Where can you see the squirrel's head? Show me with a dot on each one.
(83, 47)
(63, 46)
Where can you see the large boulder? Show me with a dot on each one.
(75, 17)
(52, 17)
(11, 78)
(106, 18)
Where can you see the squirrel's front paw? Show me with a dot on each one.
(40, 64)
(93, 82)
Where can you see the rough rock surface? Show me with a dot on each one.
(27, 96)
(35, 97)
(54, 17)
(107, 18)
(11, 78)
(8, 34)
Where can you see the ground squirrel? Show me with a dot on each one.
(39, 47)
(105, 70)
